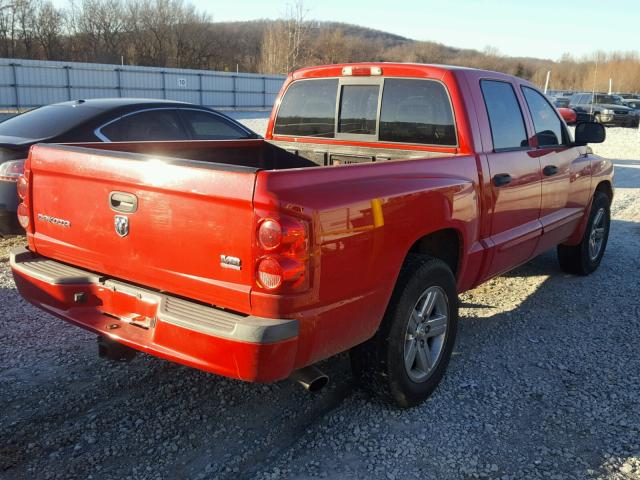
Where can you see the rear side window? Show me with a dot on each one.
(358, 109)
(548, 126)
(308, 109)
(505, 117)
(416, 111)
(208, 126)
(48, 121)
(150, 125)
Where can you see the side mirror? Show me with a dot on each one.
(589, 132)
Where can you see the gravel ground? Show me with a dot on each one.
(544, 383)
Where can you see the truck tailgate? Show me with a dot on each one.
(187, 215)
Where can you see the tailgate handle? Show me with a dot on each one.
(123, 202)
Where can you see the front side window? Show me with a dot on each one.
(308, 109)
(208, 126)
(416, 111)
(548, 126)
(505, 117)
(152, 125)
(358, 109)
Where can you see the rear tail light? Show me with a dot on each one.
(282, 254)
(24, 212)
(11, 171)
(270, 273)
(23, 215)
(270, 234)
(23, 187)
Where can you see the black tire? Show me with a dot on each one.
(379, 364)
(579, 259)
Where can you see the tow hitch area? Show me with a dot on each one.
(111, 350)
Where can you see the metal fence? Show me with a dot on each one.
(26, 84)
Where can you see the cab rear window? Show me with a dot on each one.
(358, 109)
(416, 111)
(308, 109)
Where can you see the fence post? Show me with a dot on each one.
(200, 88)
(264, 93)
(164, 85)
(119, 84)
(235, 90)
(15, 84)
(67, 69)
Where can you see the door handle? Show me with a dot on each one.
(123, 202)
(550, 170)
(501, 179)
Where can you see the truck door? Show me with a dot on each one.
(515, 181)
(566, 176)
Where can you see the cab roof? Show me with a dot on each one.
(392, 68)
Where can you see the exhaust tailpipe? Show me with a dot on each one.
(114, 351)
(311, 378)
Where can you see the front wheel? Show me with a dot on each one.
(584, 258)
(406, 359)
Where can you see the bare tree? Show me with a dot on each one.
(284, 40)
(25, 16)
(49, 30)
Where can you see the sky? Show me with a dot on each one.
(543, 29)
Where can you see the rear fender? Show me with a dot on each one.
(364, 220)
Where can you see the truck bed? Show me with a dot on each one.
(266, 154)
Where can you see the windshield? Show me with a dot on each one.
(47, 121)
(610, 99)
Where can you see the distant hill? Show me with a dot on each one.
(388, 39)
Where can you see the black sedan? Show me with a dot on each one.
(101, 120)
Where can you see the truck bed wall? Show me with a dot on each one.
(263, 154)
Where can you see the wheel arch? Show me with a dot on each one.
(445, 244)
(606, 187)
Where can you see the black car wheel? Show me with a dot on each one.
(406, 359)
(584, 258)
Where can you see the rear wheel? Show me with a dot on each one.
(584, 258)
(406, 359)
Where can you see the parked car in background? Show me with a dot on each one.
(606, 109)
(568, 115)
(562, 102)
(101, 120)
(629, 96)
(559, 100)
(633, 103)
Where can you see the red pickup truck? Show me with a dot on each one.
(380, 192)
